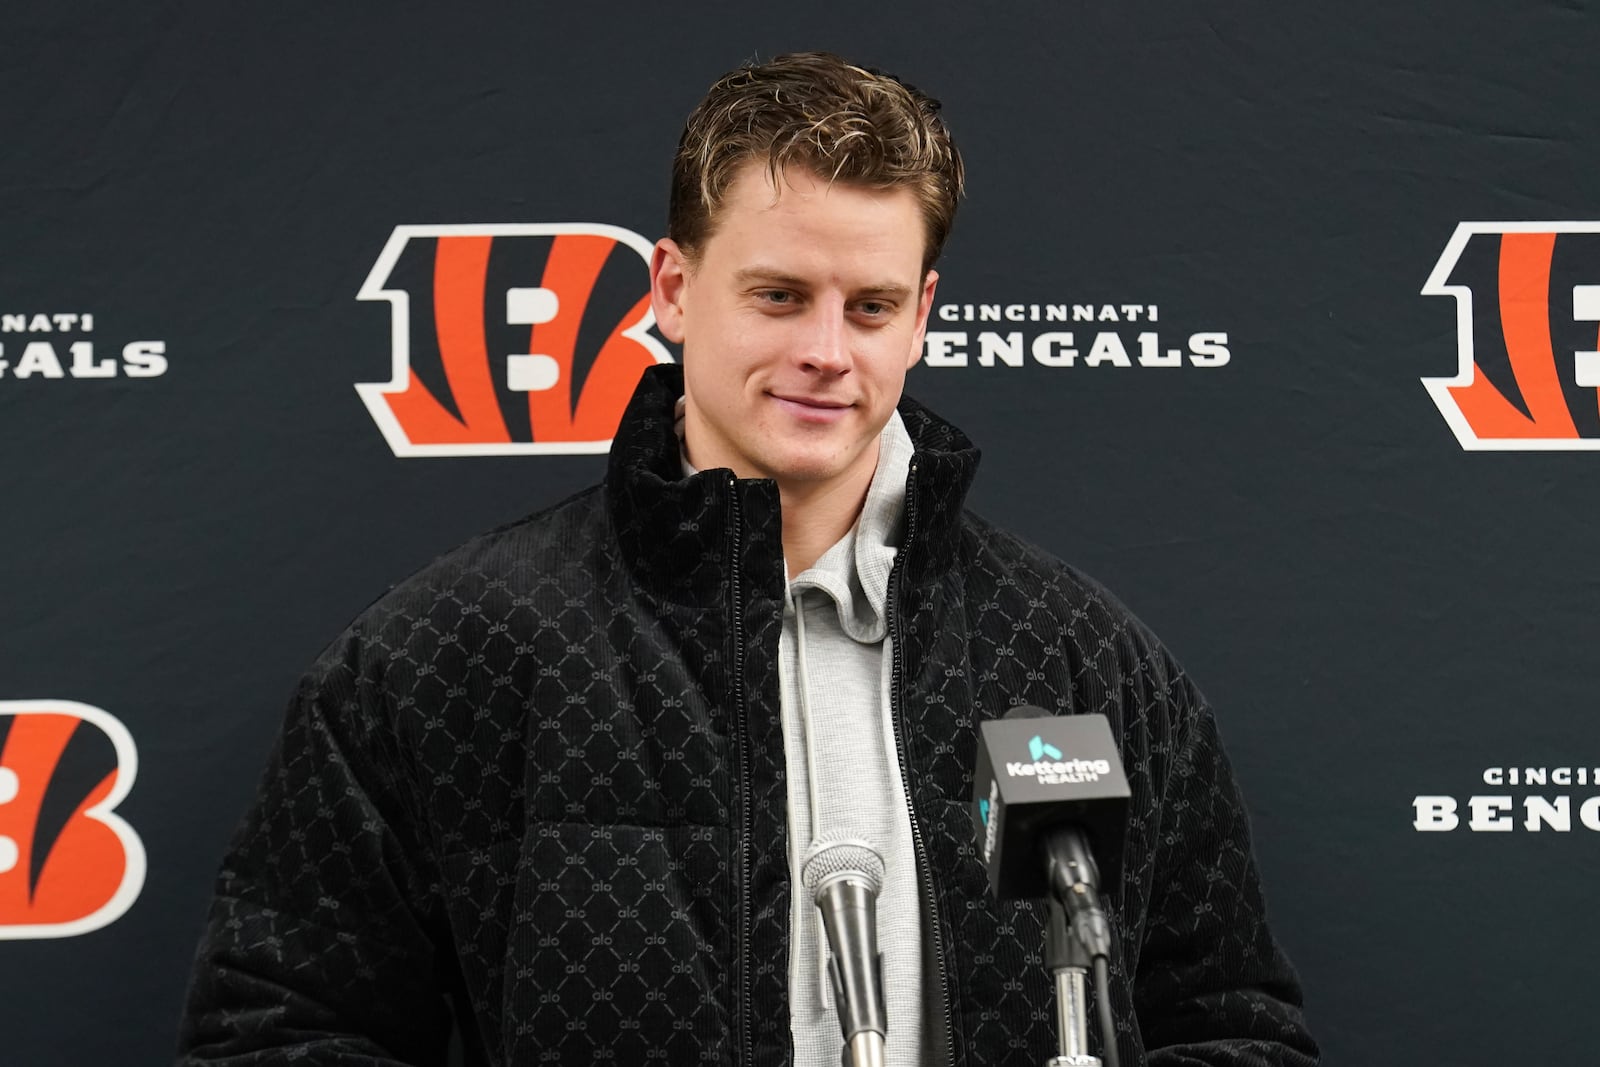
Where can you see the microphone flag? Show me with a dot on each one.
(1036, 771)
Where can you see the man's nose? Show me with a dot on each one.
(827, 342)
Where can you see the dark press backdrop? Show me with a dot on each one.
(1183, 313)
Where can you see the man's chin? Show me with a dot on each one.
(813, 473)
(807, 477)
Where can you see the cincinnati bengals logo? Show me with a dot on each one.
(68, 863)
(511, 339)
(1528, 332)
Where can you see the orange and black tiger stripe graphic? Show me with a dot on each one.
(511, 339)
(1528, 326)
(68, 863)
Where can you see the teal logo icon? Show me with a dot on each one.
(983, 812)
(1038, 749)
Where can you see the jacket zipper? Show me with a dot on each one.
(924, 868)
(746, 956)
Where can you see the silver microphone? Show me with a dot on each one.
(843, 878)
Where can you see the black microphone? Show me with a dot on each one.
(844, 877)
(1050, 798)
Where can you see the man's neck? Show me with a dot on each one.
(816, 515)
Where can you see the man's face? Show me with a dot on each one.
(798, 322)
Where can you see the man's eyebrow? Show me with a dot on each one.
(768, 276)
(773, 276)
(889, 290)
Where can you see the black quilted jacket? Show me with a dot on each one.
(535, 796)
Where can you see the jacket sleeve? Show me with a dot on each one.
(316, 949)
(1213, 989)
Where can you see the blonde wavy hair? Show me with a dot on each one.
(814, 110)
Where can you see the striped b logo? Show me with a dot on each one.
(68, 863)
(1528, 335)
(511, 339)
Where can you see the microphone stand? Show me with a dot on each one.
(1069, 961)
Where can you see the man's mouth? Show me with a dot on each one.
(812, 408)
(812, 401)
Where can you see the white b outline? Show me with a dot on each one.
(133, 872)
(373, 393)
(1439, 388)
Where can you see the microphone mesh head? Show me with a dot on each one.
(828, 858)
(1029, 711)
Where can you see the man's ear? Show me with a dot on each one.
(669, 273)
(924, 307)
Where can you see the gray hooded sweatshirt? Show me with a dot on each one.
(843, 772)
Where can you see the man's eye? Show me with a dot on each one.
(876, 308)
(776, 296)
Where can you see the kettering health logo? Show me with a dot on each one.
(1049, 768)
(511, 339)
(1527, 335)
(1038, 750)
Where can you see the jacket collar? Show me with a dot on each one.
(853, 575)
(674, 532)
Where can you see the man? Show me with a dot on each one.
(555, 791)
